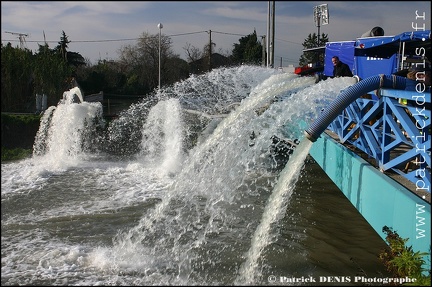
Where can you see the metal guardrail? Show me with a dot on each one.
(395, 130)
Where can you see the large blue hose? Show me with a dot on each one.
(348, 96)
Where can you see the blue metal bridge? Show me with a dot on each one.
(394, 130)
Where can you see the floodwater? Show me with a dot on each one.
(184, 188)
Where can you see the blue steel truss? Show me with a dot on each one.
(394, 130)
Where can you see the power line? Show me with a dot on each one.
(82, 41)
(289, 60)
(135, 39)
(289, 42)
(107, 40)
(101, 41)
(228, 33)
(127, 39)
(187, 33)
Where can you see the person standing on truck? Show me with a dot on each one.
(340, 69)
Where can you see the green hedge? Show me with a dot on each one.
(18, 132)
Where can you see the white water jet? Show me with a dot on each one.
(162, 141)
(275, 209)
(59, 142)
(74, 95)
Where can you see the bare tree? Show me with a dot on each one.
(193, 53)
(142, 59)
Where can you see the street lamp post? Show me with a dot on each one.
(160, 26)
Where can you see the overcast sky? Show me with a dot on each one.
(98, 29)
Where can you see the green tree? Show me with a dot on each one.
(51, 74)
(312, 42)
(73, 59)
(177, 69)
(62, 46)
(16, 79)
(248, 50)
(106, 76)
(53, 69)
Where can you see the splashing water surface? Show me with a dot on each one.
(182, 188)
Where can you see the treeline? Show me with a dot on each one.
(51, 71)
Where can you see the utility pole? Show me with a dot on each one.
(319, 25)
(273, 34)
(21, 37)
(210, 52)
(160, 26)
(270, 33)
(263, 40)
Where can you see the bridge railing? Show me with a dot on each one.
(394, 130)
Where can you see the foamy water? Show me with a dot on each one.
(190, 195)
